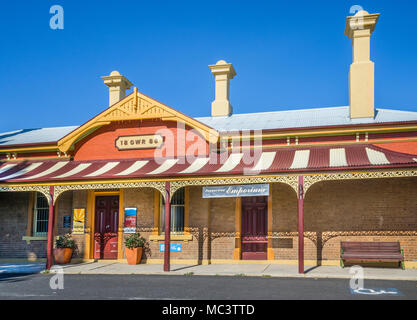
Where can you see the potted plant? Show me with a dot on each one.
(64, 247)
(134, 246)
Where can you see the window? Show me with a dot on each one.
(177, 212)
(40, 216)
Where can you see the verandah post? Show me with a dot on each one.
(300, 224)
(50, 243)
(167, 227)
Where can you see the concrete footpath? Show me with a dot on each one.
(262, 270)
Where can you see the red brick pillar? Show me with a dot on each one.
(50, 243)
(167, 228)
(300, 224)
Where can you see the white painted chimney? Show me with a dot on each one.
(118, 85)
(222, 72)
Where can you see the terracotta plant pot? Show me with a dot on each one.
(62, 255)
(134, 255)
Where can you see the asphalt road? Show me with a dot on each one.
(173, 287)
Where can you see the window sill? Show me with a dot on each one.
(28, 239)
(174, 237)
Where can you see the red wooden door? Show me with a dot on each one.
(105, 229)
(254, 228)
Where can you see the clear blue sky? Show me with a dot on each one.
(287, 55)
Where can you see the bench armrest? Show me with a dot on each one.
(403, 262)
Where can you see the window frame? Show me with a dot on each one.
(157, 233)
(36, 208)
(161, 222)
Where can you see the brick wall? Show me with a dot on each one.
(334, 211)
(284, 220)
(13, 226)
(331, 208)
(67, 202)
(222, 227)
(362, 210)
(143, 200)
(222, 224)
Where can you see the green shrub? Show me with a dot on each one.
(134, 241)
(65, 241)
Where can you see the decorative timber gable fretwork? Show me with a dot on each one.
(135, 106)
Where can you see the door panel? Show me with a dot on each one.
(106, 225)
(254, 228)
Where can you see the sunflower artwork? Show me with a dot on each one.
(78, 221)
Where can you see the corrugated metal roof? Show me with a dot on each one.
(318, 117)
(29, 136)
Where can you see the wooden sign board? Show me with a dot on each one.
(250, 190)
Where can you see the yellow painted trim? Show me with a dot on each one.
(37, 159)
(129, 108)
(30, 213)
(91, 203)
(120, 227)
(307, 133)
(81, 260)
(89, 232)
(30, 149)
(106, 193)
(233, 261)
(410, 264)
(28, 239)
(173, 261)
(237, 252)
(174, 237)
(208, 249)
(270, 250)
(66, 143)
(186, 210)
(156, 195)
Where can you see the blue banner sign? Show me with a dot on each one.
(248, 190)
(174, 247)
(67, 222)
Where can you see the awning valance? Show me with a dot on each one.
(237, 163)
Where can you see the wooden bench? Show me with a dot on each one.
(371, 251)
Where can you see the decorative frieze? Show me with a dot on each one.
(160, 186)
(292, 181)
(309, 180)
(42, 189)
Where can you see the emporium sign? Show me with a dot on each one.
(139, 142)
(250, 190)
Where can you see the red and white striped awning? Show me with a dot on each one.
(236, 163)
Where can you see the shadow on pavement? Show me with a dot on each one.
(186, 267)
